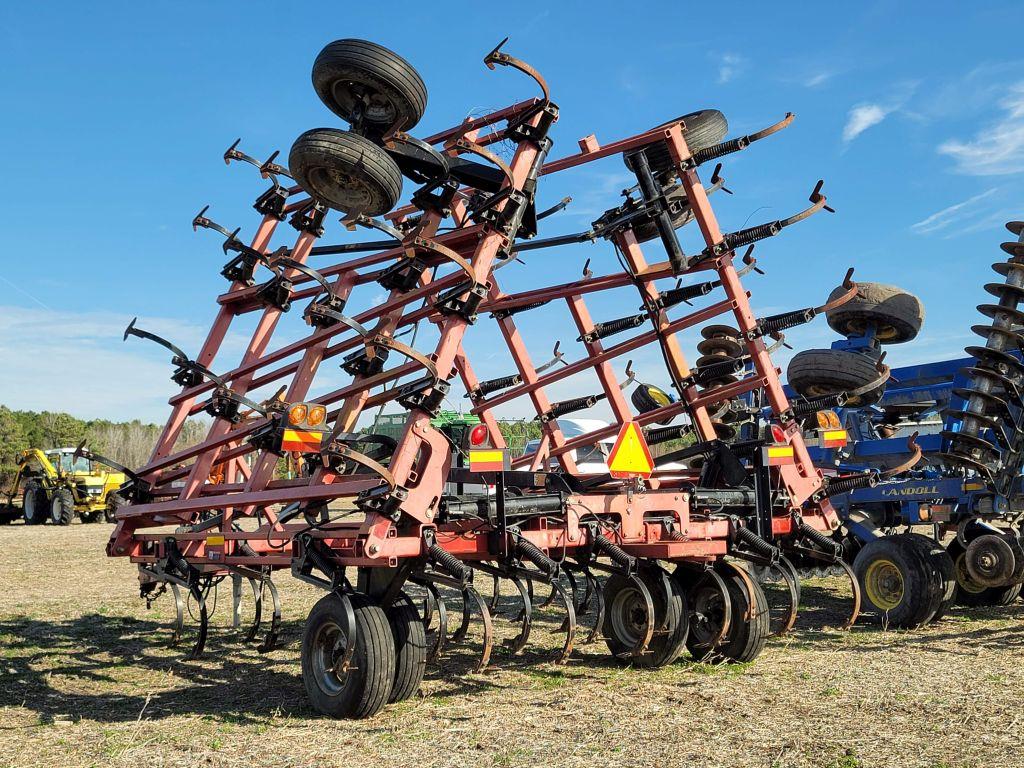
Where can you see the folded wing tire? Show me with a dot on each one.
(701, 129)
(895, 314)
(819, 372)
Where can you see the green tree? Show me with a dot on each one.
(61, 429)
(12, 442)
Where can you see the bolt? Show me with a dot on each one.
(373, 549)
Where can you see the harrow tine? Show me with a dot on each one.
(783, 567)
(497, 593)
(645, 639)
(855, 586)
(179, 618)
(341, 666)
(518, 643)
(569, 625)
(270, 641)
(599, 621)
(434, 600)
(204, 623)
(485, 615)
(257, 618)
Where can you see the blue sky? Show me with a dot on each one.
(116, 116)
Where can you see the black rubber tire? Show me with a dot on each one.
(34, 505)
(647, 230)
(345, 170)
(942, 564)
(972, 595)
(703, 128)
(646, 398)
(920, 596)
(746, 638)
(663, 648)
(367, 684)
(410, 648)
(92, 517)
(114, 502)
(896, 314)
(817, 372)
(396, 90)
(62, 507)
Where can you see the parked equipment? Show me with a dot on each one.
(58, 484)
(653, 557)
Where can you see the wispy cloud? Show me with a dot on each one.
(817, 79)
(998, 148)
(862, 117)
(948, 216)
(729, 66)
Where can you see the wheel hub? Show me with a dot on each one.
(883, 582)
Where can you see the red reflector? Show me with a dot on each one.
(478, 435)
(778, 435)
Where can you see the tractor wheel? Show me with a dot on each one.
(701, 129)
(114, 502)
(346, 171)
(942, 570)
(647, 397)
(818, 372)
(968, 591)
(625, 619)
(62, 507)
(897, 581)
(363, 689)
(895, 314)
(410, 648)
(369, 86)
(647, 230)
(34, 504)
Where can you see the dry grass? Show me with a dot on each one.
(88, 679)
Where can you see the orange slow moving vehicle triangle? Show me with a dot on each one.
(630, 456)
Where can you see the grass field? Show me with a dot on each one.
(88, 679)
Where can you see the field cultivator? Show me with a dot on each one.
(380, 523)
(959, 476)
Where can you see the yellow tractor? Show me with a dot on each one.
(58, 484)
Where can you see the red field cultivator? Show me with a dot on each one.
(376, 521)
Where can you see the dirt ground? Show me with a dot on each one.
(88, 678)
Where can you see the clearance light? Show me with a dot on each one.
(478, 435)
(316, 415)
(297, 413)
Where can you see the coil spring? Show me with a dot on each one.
(503, 313)
(493, 385)
(664, 434)
(815, 404)
(683, 293)
(757, 545)
(530, 551)
(744, 237)
(824, 542)
(603, 330)
(776, 323)
(616, 553)
(719, 150)
(317, 559)
(448, 562)
(713, 371)
(840, 485)
(569, 406)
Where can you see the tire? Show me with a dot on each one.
(975, 595)
(647, 230)
(410, 648)
(365, 688)
(345, 170)
(817, 372)
(114, 502)
(942, 572)
(348, 71)
(92, 517)
(895, 314)
(647, 397)
(746, 638)
(702, 129)
(621, 634)
(897, 581)
(34, 504)
(62, 507)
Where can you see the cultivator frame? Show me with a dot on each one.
(540, 523)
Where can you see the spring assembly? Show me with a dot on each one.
(493, 385)
(721, 356)
(449, 563)
(664, 434)
(818, 538)
(503, 313)
(527, 550)
(614, 552)
(996, 371)
(571, 406)
(756, 544)
(813, 404)
(603, 330)
(715, 374)
(686, 293)
(836, 486)
(776, 323)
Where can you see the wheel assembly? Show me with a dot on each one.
(898, 581)
(817, 373)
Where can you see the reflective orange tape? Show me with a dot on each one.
(298, 440)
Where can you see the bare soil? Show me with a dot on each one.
(87, 678)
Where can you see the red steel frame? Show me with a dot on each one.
(422, 460)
